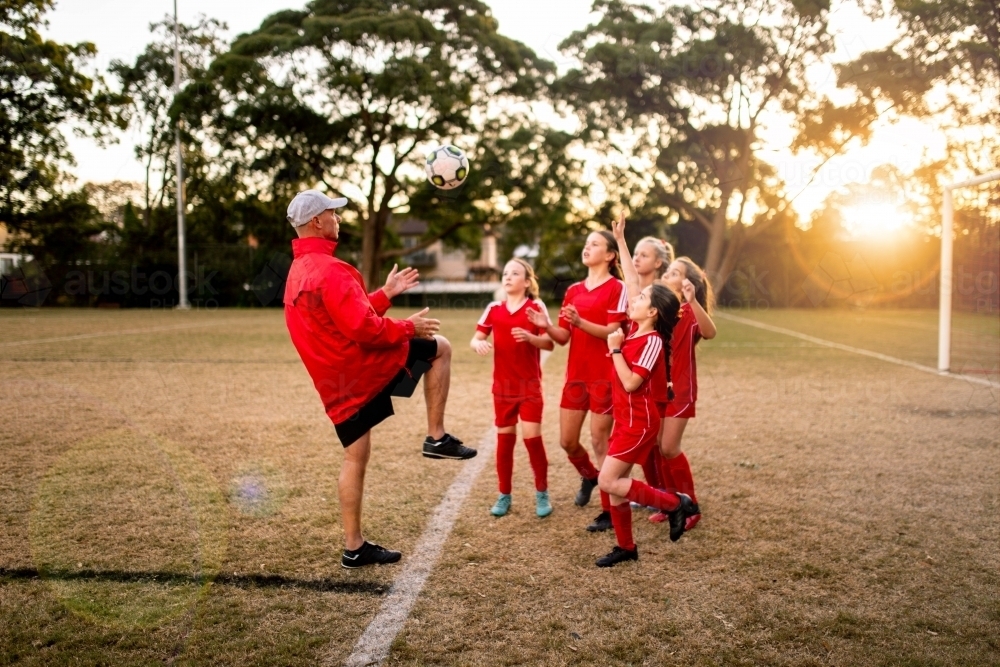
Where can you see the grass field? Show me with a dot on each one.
(168, 494)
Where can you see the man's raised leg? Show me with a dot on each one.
(437, 383)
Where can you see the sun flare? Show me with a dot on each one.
(874, 220)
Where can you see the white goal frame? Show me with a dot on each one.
(947, 236)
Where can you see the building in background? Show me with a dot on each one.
(449, 277)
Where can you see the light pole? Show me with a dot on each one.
(182, 286)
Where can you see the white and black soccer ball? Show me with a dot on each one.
(447, 167)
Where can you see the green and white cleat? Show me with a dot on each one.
(543, 507)
(502, 505)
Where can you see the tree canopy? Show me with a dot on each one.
(682, 94)
(346, 94)
(42, 86)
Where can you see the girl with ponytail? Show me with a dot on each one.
(686, 278)
(591, 309)
(638, 359)
(644, 268)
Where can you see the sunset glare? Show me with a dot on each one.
(875, 220)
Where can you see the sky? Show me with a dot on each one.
(120, 30)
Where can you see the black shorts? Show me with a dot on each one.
(379, 408)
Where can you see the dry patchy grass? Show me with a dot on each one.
(171, 496)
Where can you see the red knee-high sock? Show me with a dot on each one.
(505, 460)
(666, 479)
(644, 494)
(584, 466)
(621, 520)
(650, 469)
(680, 471)
(539, 462)
(605, 502)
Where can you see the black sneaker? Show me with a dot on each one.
(587, 487)
(678, 518)
(600, 523)
(368, 554)
(448, 447)
(617, 555)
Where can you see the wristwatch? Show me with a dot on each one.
(616, 351)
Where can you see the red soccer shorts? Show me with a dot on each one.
(508, 410)
(632, 445)
(592, 396)
(679, 410)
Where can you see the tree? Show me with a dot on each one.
(148, 85)
(681, 95)
(943, 68)
(41, 88)
(347, 93)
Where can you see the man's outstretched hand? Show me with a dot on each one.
(424, 327)
(398, 282)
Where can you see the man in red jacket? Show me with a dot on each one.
(358, 359)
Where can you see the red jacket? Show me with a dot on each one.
(349, 349)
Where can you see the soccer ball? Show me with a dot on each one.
(447, 167)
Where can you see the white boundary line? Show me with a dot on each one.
(856, 350)
(126, 332)
(375, 643)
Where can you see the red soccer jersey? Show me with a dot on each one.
(517, 368)
(644, 355)
(683, 370)
(605, 304)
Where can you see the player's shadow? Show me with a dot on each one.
(237, 580)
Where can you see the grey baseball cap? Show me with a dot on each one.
(307, 205)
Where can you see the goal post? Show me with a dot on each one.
(947, 252)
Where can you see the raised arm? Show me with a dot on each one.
(631, 275)
(597, 330)
(553, 331)
(630, 380)
(396, 283)
(706, 327)
(351, 311)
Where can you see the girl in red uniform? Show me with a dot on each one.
(650, 261)
(637, 359)
(517, 379)
(590, 311)
(694, 323)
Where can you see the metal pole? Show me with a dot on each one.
(944, 314)
(182, 286)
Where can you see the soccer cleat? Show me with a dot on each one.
(678, 518)
(501, 506)
(601, 523)
(693, 520)
(543, 507)
(658, 517)
(587, 487)
(448, 447)
(368, 554)
(617, 555)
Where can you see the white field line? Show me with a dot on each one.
(374, 644)
(856, 350)
(103, 334)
